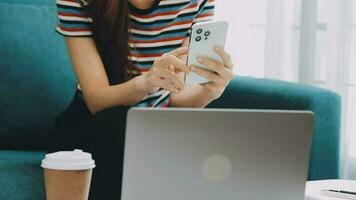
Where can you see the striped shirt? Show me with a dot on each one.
(154, 31)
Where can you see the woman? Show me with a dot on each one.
(125, 53)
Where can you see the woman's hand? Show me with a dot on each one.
(164, 73)
(220, 74)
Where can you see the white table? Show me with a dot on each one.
(313, 188)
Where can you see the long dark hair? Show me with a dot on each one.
(111, 34)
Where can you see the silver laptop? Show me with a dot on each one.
(215, 154)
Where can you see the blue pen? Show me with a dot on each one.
(340, 194)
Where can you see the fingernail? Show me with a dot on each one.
(201, 59)
(217, 48)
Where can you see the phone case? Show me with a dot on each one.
(204, 37)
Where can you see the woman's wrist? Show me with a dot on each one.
(206, 97)
(140, 85)
(193, 96)
(143, 86)
(209, 94)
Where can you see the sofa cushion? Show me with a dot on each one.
(21, 176)
(36, 78)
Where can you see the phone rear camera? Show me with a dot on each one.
(207, 33)
(198, 38)
(199, 31)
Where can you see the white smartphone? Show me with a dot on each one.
(204, 37)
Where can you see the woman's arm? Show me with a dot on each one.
(97, 91)
(93, 80)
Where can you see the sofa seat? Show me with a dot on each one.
(21, 175)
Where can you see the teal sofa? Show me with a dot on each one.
(37, 83)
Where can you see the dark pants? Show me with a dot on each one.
(101, 135)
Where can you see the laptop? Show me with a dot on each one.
(216, 154)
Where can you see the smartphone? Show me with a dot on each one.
(204, 37)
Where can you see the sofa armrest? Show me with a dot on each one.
(253, 93)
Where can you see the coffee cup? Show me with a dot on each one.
(68, 175)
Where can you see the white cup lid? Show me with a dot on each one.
(68, 160)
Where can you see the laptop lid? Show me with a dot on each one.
(210, 154)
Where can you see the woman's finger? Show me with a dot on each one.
(170, 77)
(226, 57)
(217, 67)
(178, 65)
(179, 51)
(166, 85)
(211, 64)
(211, 76)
